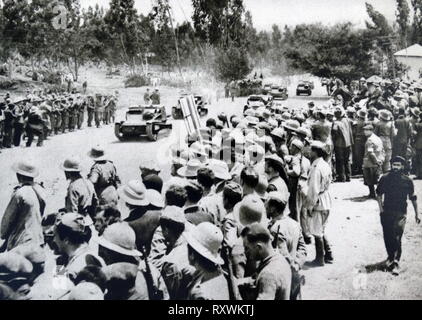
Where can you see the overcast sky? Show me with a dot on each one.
(265, 13)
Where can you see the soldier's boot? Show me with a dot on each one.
(319, 248)
(328, 257)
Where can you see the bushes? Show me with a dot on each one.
(137, 80)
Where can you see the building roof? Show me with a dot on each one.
(412, 51)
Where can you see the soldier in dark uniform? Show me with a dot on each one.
(80, 112)
(103, 175)
(64, 115)
(360, 140)
(396, 188)
(18, 125)
(34, 127)
(418, 148)
(90, 106)
(57, 116)
(8, 125)
(155, 97)
(72, 114)
(2, 108)
(404, 134)
(113, 107)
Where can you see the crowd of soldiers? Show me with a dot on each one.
(248, 195)
(45, 114)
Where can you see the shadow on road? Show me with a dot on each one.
(379, 266)
(163, 134)
(358, 199)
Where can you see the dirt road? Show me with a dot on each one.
(353, 229)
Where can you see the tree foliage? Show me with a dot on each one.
(337, 51)
(232, 64)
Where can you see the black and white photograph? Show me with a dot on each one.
(225, 150)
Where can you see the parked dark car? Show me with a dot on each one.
(304, 87)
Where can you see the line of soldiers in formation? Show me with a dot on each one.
(43, 115)
(247, 196)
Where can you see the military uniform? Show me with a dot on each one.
(418, 148)
(373, 160)
(80, 197)
(386, 132)
(176, 270)
(64, 117)
(155, 98)
(402, 139)
(18, 126)
(35, 127)
(215, 288)
(343, 140)
(80, 113)
(8, 127)
(274, 277)
(103, 176)
(21, 222)
(91, 110)
(98, 111)
(72, 116)
(359, 145)
(319, 203)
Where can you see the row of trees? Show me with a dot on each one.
(220, 39)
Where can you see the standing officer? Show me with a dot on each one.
(373, 159)
(318, 201)
(147, 97)
(8, 125)
(57, 114)
(18, 125)
(106, 113)
(80, 111)
(155, 97)
(360, 140)
(98, 109)
(64, 115)
(404, 134)
(343, 140)
(90, 106)
(396, 188)
(418, 148)
(385, 130)
(72, 114)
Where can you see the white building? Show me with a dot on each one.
(412, 58)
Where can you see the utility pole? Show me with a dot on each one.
(175, 38)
